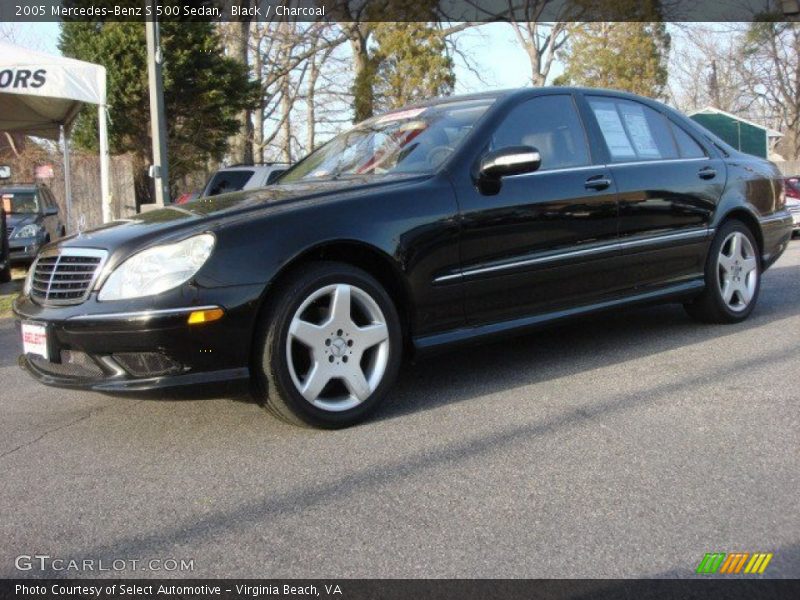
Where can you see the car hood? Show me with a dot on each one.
(19, 220)
(204, 214)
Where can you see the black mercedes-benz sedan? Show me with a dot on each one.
(450, 221)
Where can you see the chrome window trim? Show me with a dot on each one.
(142, 315)
(611, 165)
(561, 170)
(656, 161)
(615, 245)
(71, 252)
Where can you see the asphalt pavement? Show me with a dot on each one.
(628, 445)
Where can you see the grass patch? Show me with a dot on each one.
(5, 304)
(10, 290)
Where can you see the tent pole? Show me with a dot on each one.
(67, 179)
(105, 188)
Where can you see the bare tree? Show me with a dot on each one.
(541, 40)
(772, 62)
(706, 69)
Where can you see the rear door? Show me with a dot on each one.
(668, 186)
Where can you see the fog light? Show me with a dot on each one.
(205, 316)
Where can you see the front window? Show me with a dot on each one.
(416, 140)
(20, 203)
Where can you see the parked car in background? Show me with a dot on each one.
(5, 259)
(235, 178)
(792, 187)
(32, 219)
(186, 197)
(242, 177)
(451, 221)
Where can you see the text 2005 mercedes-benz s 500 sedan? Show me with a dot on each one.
(452, 220)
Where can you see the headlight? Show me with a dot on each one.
(27, 231)
(158, 269)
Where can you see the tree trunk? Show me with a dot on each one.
(313, 73)
(258, 114)
(236, 44)
(363, 85)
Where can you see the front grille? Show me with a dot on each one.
(66, 275)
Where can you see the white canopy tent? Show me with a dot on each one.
(41, 94)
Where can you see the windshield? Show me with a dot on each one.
(20, 202)
(416, 140)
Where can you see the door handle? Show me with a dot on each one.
(598, 182)
(707, 173)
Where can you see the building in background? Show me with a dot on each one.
(742, 134)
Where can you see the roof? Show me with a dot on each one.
(711, 110)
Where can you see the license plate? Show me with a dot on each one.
(34, 340)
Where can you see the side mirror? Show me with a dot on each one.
(512, 160)
(50, 211)
(273, 176)
(5, 172)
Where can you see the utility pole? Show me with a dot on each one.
(158, 126)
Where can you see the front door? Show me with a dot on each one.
(539, 242)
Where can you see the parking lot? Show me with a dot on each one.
(624, 446)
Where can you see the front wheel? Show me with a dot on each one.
(733, 277)
(330, 346)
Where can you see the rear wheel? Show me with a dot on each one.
(329, 347)
(733, 277)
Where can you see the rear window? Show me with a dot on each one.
(228, 181)
(686, 144)
(633, 131)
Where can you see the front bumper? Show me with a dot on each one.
(23, 251)
(138, 348)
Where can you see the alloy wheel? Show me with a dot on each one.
(737, 271)
(337, 347)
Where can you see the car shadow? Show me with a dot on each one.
(589, 343)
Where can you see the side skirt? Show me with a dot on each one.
(481, 333)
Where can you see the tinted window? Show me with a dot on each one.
(551, 125)
(228, 181)
(686, 145)
(633, 131)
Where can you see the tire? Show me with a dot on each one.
(310, 349)
(732, 277)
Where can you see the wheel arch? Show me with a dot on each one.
(358, 254)
(749, 218)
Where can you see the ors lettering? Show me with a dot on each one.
(22, 78)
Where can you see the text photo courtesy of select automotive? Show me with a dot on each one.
(356, 299)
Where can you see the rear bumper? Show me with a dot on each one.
(138, 349)
(776, 230)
